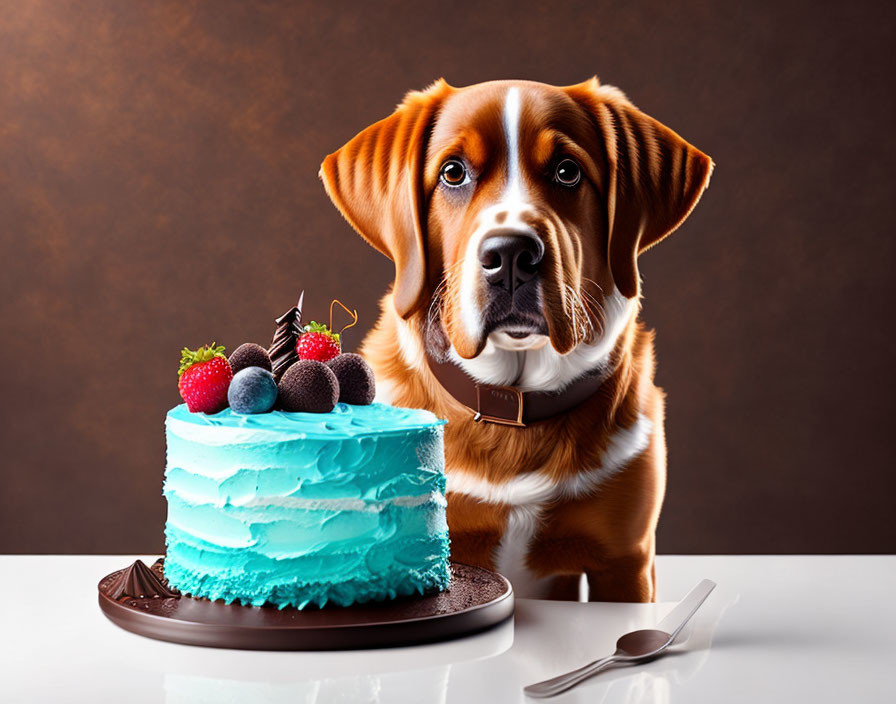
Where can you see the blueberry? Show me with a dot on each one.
(252, 390)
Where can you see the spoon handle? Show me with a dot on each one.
(555, 685)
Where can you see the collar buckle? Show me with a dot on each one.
(502, 405)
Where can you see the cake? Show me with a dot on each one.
(300, 509)
(287, 486)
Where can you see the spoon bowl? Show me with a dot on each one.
(643, 643)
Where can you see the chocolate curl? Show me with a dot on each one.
(353, 313)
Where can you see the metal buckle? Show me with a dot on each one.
(511, 392)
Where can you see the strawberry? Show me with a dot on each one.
(318, 342)
(204, 378)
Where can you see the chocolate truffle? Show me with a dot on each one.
(309, 386)
(356, 382)
(249, 355)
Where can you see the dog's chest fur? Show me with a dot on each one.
(528, 495)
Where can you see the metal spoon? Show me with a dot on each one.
(632, 648)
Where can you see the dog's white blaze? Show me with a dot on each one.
(513, 192)
(513, 203)
(529, 494)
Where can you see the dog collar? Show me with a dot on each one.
(507, 405)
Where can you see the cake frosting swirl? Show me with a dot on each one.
(299, 509)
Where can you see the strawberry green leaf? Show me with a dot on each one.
(314, 326)
(206, 353)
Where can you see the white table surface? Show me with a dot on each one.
(777, 629)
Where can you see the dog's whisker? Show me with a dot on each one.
(596, 306)
(578, 311)
(595, 312)
(434, 314)
(585, 279)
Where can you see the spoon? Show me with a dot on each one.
(632, 648)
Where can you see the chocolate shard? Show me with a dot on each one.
(283, 347)
(139, 582)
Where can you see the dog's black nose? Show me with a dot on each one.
(510, 258)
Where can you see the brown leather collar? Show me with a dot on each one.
(507, 405)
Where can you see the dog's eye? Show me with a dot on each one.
(453, 173)
(568, 173)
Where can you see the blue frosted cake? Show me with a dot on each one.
(298, 509)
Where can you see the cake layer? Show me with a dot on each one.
(300, 508)
(277, 531)
(382, 569)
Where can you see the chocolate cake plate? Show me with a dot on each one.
(138, 599)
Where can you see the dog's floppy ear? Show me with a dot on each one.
(376, 182)
(654, 178)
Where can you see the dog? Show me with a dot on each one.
(515, 213)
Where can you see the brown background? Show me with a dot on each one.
(158, 188)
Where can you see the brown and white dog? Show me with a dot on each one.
(515, 213)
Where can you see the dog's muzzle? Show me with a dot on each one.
(511, 260)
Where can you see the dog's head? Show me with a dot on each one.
(515, 211)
